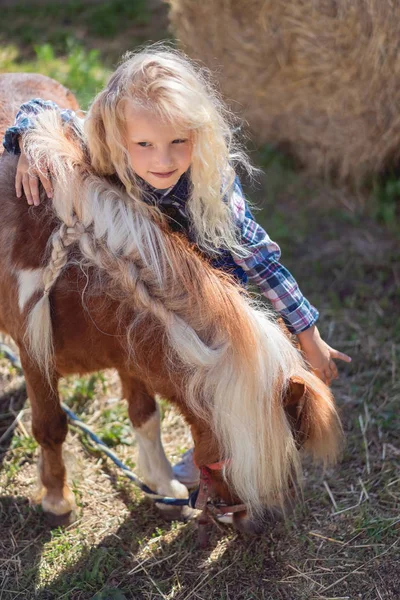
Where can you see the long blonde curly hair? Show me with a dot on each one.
(163, 79)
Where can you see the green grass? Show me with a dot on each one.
(387, 201)
(55, 22)
(113, 426)
(81, 70)
(75, 42)
(79, 391)
(23, 449)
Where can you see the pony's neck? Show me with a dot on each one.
(206, 450)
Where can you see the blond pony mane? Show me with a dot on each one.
(237, 361)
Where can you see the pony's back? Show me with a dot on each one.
(232, 363)
(17, 88)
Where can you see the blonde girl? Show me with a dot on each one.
(160, 128)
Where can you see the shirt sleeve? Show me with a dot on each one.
(25, 119)
(263, 268)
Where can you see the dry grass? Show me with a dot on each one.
(341, 544)
(321, 77)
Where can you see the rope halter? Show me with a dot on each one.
(205, 500)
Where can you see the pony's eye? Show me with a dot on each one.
(144, 144)
(179, 141)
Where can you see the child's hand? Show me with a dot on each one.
(319, 355)
(28, 178)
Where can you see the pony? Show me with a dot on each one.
(90, 281)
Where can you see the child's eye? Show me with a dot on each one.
(179, 141)
(144, 144)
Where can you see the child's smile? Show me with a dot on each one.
(160, 152)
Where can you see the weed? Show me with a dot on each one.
(387, 198)
(78, 391)
(114, 427)
(25, 445)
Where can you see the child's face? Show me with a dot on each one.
(160, 152)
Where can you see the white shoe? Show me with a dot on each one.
(186, 471)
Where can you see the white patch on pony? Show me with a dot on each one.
(29, 282)
(153, 464)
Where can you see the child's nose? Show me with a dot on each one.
(164, 158)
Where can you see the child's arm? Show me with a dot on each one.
(26, 177)
(319, 354)
(263, 269)
(25, 119)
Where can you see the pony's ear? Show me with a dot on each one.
(293, 404)
(295, 392)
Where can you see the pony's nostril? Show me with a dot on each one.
(273, 514)
(243, 523)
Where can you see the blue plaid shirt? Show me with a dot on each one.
(261, 267)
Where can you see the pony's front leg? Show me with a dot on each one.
(49, 427)
(152, 462)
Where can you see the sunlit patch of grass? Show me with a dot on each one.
(78, 392)
(61, 552)
(22, 450)
(114, 427)
(97, 568)
(81, 70)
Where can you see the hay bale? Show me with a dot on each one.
(321, 75)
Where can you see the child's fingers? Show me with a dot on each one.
(27, 188)
(18, 184)
(46, 183)
(327, 373)
(321, 374)
(34, 185)
(340, 355)
(332, 371)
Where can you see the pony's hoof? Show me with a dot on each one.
(64, 520)
(177, 513)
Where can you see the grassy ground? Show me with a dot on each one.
(342, 543)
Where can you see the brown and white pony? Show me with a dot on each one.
(89, 280)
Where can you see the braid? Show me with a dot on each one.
(39, 330)
(129, 272)
(62, 239)
(140, 284)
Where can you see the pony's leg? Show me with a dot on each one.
(49, 427)
(152, 462)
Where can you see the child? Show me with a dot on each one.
(160, 128)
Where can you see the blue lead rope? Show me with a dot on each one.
(159, 499)
(102, 446)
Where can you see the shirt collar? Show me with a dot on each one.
(179, 191)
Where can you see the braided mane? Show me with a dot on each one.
(234, 361)
(156, 270)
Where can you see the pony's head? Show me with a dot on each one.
(307, 407)
(164, 82)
